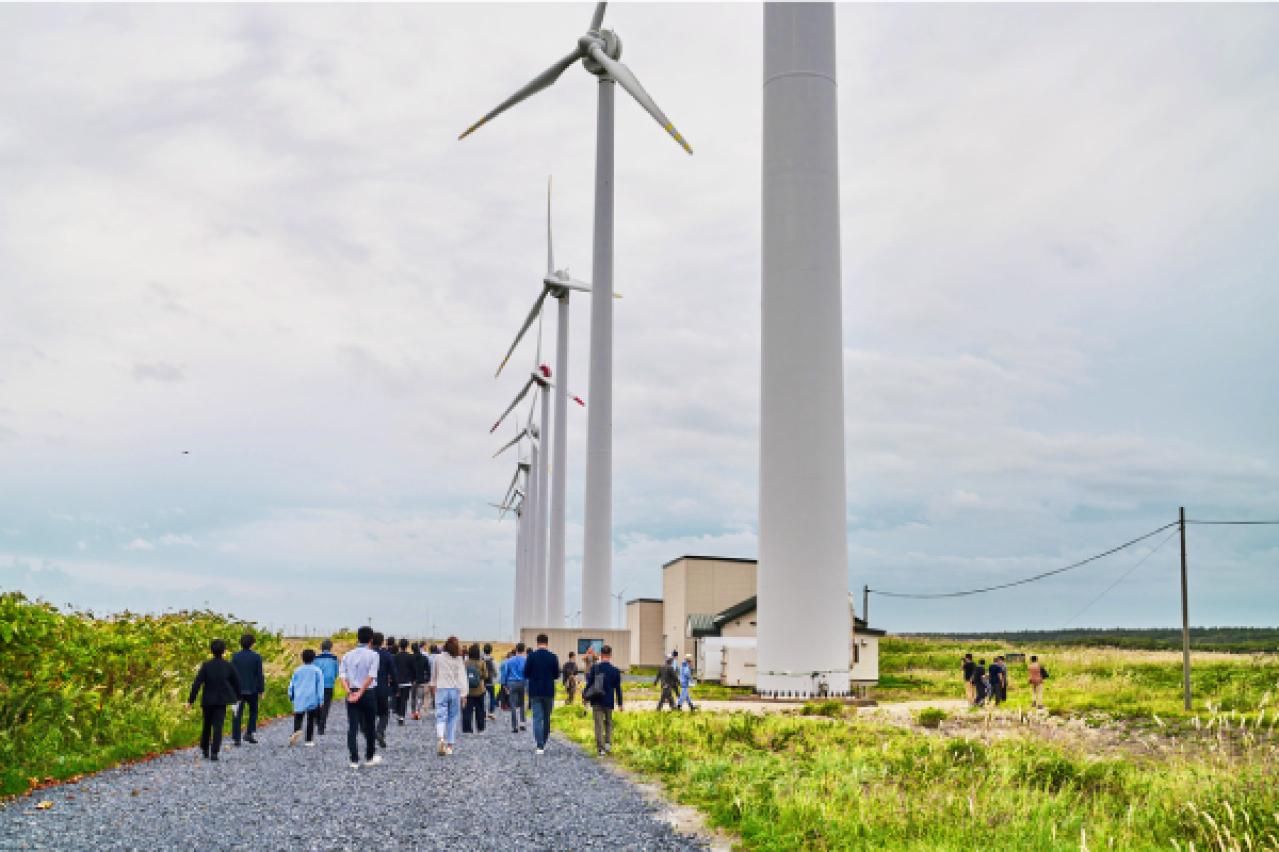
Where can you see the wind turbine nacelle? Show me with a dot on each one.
(608, 40)
(543, 371)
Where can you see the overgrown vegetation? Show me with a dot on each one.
(931, 717)
(789, 782)
(79, 693)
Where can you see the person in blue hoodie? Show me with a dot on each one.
(248, 668)
(685, 683)
(306, 691)
(513, 679)
(327, 663)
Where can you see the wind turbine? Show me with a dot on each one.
(557, 284)
(599, 51)
(532, 593)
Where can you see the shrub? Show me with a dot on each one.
(931, 717)
(830, 709)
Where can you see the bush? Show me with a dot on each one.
(931, 717)
(830, 709)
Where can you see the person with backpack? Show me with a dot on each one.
(668, 679)
(248, 669)
(448, 680)
(403, 680)
(569, 677)
(327, 663)
(473, 709)
(603, 692)
(306, 691)
(490, 678)
(221, 687)
(1036, 673)
(421, 675)
(513, 682)
(541, 671)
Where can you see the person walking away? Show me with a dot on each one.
(359, 675)
(306, 691)
(541, 671)
(1036, 674)
(384, 690)
(998, 673)
(604, 686)
(221, 687)
(981, 684)
(448, 679)
(668, 679)
(248, 668)
(328, 666)
(421, 669)
(569, 677)
(490, 678)
(513, 680)
(432, 658)
(403, 680)
(473, 710)
(686, 683)
(970, 688)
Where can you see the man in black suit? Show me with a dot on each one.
(248, 667)
(221, 687)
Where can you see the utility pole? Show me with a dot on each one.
(1185, 612)
(866, 605)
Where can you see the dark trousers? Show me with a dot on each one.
(668, 697)
(310, 716)
(492, 694)
(473, 714)
(324, 709)
(402, 700)
(251, 702)
(361, 716)
(542, 706)
(383, 705)
(211, 729)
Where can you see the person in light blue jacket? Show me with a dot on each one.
(685, 683)
(327, 663)
(306, 691)
(513, 679)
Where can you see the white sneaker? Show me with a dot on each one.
(309, 743)
(355, 764)
(293, 740)
(374, 760)
(541, 751)
(448, 750)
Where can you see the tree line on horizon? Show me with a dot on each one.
(1235, 640)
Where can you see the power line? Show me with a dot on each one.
(1235, 523)
(1025, 580)
(1122, 577)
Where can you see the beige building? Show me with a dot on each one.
(697, 588)
(644, 621)
(577, 640)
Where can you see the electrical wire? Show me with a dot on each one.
(1024, 580)
(1235, 523)
(1122, 577)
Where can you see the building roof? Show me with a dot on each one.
(736, 611)
(710, 559)
(643, 600)
(702, 624)
(708, 625)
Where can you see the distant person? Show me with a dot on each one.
(514, 683)
(403, 680)
(998, 674)
(589, 658)
(569, 676)
(448, 680)
(473, 709)
(541, 671)
(604, 684)
(327, 663)
(421, 676)
(970, 688)
(668, 679)
(432, 657)
(490, 680)
(385, 688)
(306, 691)
(1036, 673)
(359, 676)
(686, 683)
(981, 684)
(248, 668)
(221, 687)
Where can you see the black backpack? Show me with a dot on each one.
(473, 677)
(594, 687)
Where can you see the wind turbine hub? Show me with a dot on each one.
(608, 41)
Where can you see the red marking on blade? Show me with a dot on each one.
(546, 371)
(580, 401)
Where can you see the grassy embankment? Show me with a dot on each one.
(79, 693)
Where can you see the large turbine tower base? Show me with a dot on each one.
(804, 632)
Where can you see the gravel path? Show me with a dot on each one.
(493, 792)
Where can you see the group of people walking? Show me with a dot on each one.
(672, 677)
(984, 683)
(382, 678)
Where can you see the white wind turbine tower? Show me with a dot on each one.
(558, 285)
(599, 50)
(514, 500)
(803, 547)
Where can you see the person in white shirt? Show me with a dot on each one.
(358, 673)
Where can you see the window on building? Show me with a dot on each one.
(584, 645)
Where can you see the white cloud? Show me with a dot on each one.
(140, 544)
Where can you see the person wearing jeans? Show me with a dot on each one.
(328, 666)
(358, 673)
(686, 683)
(513, 680)
(448, 677)
(541, 671)
(248, 668)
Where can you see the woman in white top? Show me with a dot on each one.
(448, 680)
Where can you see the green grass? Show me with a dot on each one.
(787, 782)
(78, 693)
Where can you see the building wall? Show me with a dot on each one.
(744, 626)
(644, 621)
(866, 667)
(700, 586)
(565, 639)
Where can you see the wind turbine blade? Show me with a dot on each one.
(511, 443)
(550, 254)
(537, 84)
(528, 321)
(574, 284)
(597, 19)
(523, 392)
(623, 75)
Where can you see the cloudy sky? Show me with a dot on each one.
(250, 233)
